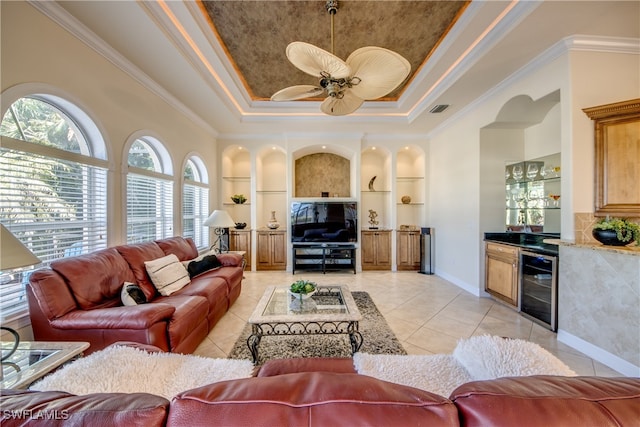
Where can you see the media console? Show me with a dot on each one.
(324, 257)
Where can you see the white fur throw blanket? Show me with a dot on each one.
(477, 358)
(122, 369)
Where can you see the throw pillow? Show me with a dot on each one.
(209, 262)
(167, 274)
(132, 294)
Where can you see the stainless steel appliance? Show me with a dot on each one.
(539, 288)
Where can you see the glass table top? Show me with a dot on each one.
(328, 303)
(32, 360)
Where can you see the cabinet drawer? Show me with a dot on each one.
(502, 249)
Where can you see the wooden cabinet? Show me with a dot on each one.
(501, 272)
(271, 250)
(617, 148)
(240, 240)
(408, 256)
(376, 250)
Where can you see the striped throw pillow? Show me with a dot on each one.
(167, 274)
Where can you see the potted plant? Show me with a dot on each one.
(616, 232)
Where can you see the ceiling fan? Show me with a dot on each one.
(369, 73)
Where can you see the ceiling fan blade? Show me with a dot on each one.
(297, 92)
(341, 107)
(380, 71)
(313, 60)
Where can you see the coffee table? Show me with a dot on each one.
(32, 360)
(330, 310)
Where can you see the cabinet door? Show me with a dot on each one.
(383, 249)
(408, 250)
(501, 279)
(368, 249)
(241, 241)
(263, 257)
(278, 249)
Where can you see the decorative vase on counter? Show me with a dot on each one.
(273, 222)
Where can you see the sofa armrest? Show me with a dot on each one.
(126, 317)
(230, 260)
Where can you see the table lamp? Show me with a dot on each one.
(219, 220)
(13, 254)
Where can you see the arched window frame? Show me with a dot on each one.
(195, 201)
(54, 199)
(149, 192)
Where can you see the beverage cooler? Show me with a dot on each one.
(539, 288)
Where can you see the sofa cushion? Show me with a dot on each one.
(132, 294)
(22, 407)
(310, 399)
(167, 274)
(189, 316)
(136, 255)
(273, 367)
(549, 401)
(183, 248)
(108, 271)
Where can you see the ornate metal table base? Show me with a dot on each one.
(303, 328)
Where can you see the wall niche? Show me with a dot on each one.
(322, 173)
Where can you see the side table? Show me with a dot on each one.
(32, 360)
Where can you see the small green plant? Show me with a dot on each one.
(626, 231)
(302, 287)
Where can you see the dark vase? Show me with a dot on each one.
(608, 237)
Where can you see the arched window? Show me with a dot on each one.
(149, 191)
(195, 202)
(53, 196)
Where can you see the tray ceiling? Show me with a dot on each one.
(256, 34)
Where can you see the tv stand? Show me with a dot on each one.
(324, 257)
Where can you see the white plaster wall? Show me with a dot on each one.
(597, 78)
(32, 55)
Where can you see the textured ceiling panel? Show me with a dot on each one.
(256, 34)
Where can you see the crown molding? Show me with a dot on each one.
(57, 14)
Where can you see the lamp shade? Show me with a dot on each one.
(219, 219)
(13, 253)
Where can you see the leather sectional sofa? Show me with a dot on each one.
(328, 392)
(79, 298)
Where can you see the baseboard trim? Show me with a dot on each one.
(463, 285)
(597, 353)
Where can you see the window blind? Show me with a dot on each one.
(149, 207)
(195, 210)
(55, 207)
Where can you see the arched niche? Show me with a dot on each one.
(320, 173)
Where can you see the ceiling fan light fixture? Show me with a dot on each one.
(369, 73)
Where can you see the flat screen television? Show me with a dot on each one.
(324, 222)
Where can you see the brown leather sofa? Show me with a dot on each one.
(328, 392)
(78, 298)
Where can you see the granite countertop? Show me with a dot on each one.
(626, 250)
(536, 242)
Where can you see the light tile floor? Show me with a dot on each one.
(427, 313)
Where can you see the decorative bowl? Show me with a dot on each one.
(241, 225)
(238, 199)
(303, 289)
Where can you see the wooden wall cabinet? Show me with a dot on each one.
(240, 240)
(408, 247)
(271, 250)
(617, 149)
(376, 249)
(501, 272)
